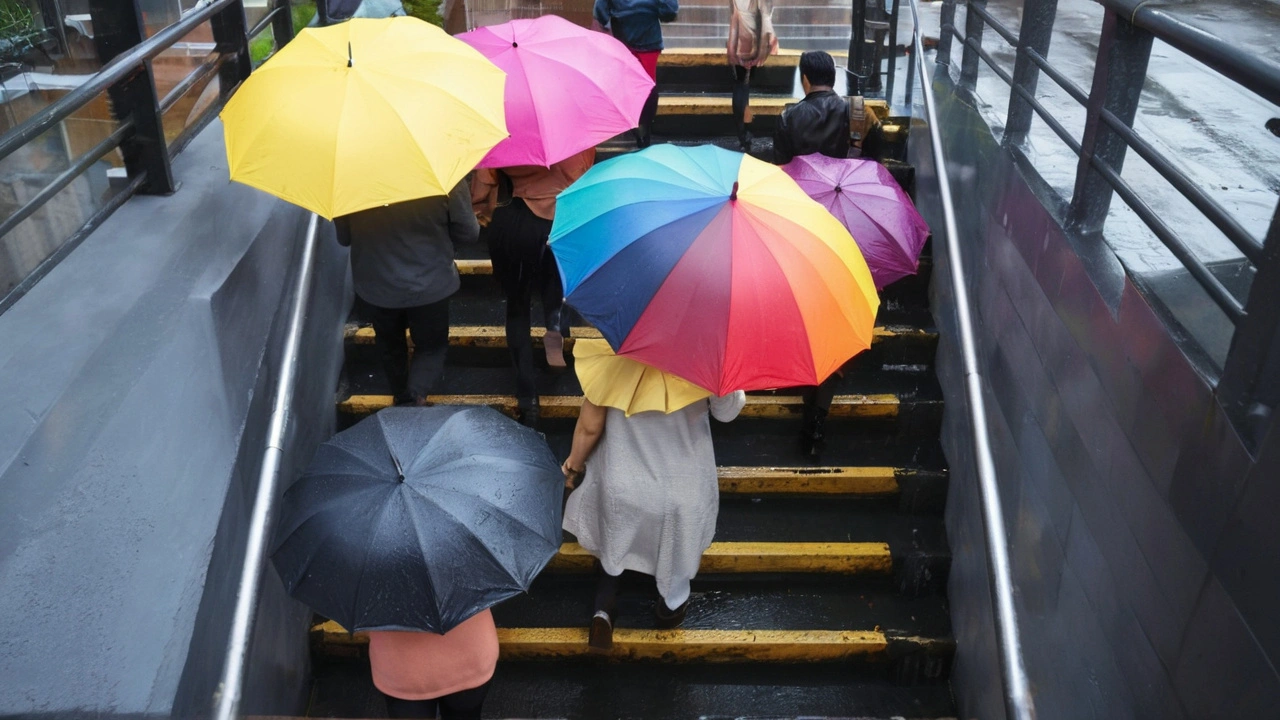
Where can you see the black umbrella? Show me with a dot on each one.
(418, 518)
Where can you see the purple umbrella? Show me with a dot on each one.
(865, 197)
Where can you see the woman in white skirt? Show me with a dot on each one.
(649, 499)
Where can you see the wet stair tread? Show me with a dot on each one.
(495, 336)
(753, 557)
(561, 406)
(586, 690)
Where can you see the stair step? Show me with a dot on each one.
(720, 105)
(711, 54)
(495, 336)
(877, 406)
(680, 645)
(763, 557)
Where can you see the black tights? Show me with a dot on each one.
(462, 705)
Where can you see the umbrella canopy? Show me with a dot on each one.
(863, 195)
(418, 518)
(611, 380)
(714, 266)
(568, 88)
(362, 114)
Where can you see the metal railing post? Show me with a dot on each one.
(282, 23)
(973, 27)
(118, 28)
(1121, 70)
(893, 51)
(231, 33)
(855, 72)
(946, 28)
(1249, 389)
(1034, 34)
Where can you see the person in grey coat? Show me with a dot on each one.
(403, 271)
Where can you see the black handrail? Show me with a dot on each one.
(1231, 62)
(1254, 71)
(113, 72)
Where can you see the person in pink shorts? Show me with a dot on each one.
(421, 673)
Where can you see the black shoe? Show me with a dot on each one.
(600, 638)
(528, 413)
(744, 141)
(813, 439)
(668, 619)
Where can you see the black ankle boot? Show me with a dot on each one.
(744, 140)
(812, 437)
(528, 412)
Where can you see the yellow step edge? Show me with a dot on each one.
(816, 480)
(693, 57)
(495, 336)
(718, 646)
(882, 406)
(763, 557)
(718, 105)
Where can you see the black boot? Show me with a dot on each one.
(744, 138)
(528, 412)
(812, 435)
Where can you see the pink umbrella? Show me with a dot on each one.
(568, 88)
(879, 215)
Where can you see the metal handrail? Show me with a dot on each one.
(1019, 704)
(231, 686)
(113, 72)
(1253, 70)
(1226, 59)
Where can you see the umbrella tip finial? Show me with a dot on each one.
(733, 195)
(838, 189)
(350, 60)
(515, 44)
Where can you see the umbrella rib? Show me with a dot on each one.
(364, 560)
(496, 509)
(584, 76)
(637, 239)
(487, 551)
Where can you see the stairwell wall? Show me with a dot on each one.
(1144, 565)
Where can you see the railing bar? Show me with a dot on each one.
(1071, 88)
(1006, 76)
(227, 699)
(1238, 236)
(1048, 119)
(190, 81)
(1171, 240)
(111, 73)
(993, 23)
(1019, 705)
(49, 263)
(66, 177)
(1257, 71)
(262, 24)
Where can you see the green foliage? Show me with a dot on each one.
(302, 14)
(428, 10)
(18, 29)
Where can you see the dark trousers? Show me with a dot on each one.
(462, 705)
(523, 264)
(741, 97)
(428, 325)
(647, 114)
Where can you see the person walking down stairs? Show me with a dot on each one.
(637, 24)
(751, 42)
(649, 500)
(519, 216)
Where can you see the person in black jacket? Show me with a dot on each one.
(403, 271)
(820, 122)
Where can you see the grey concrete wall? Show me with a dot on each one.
(1145, 562)
(138, 376)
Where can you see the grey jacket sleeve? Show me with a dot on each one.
(463, 226)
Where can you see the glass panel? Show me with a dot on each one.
(30, 169)
(191, 60)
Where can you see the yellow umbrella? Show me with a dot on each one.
(609, 380)
(364, 113)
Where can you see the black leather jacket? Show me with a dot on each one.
(819, 123)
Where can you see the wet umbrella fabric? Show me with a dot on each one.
(865, 198)
(418, 518)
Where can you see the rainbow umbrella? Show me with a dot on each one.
(865, 197)
(568, 88)
(713, 266)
